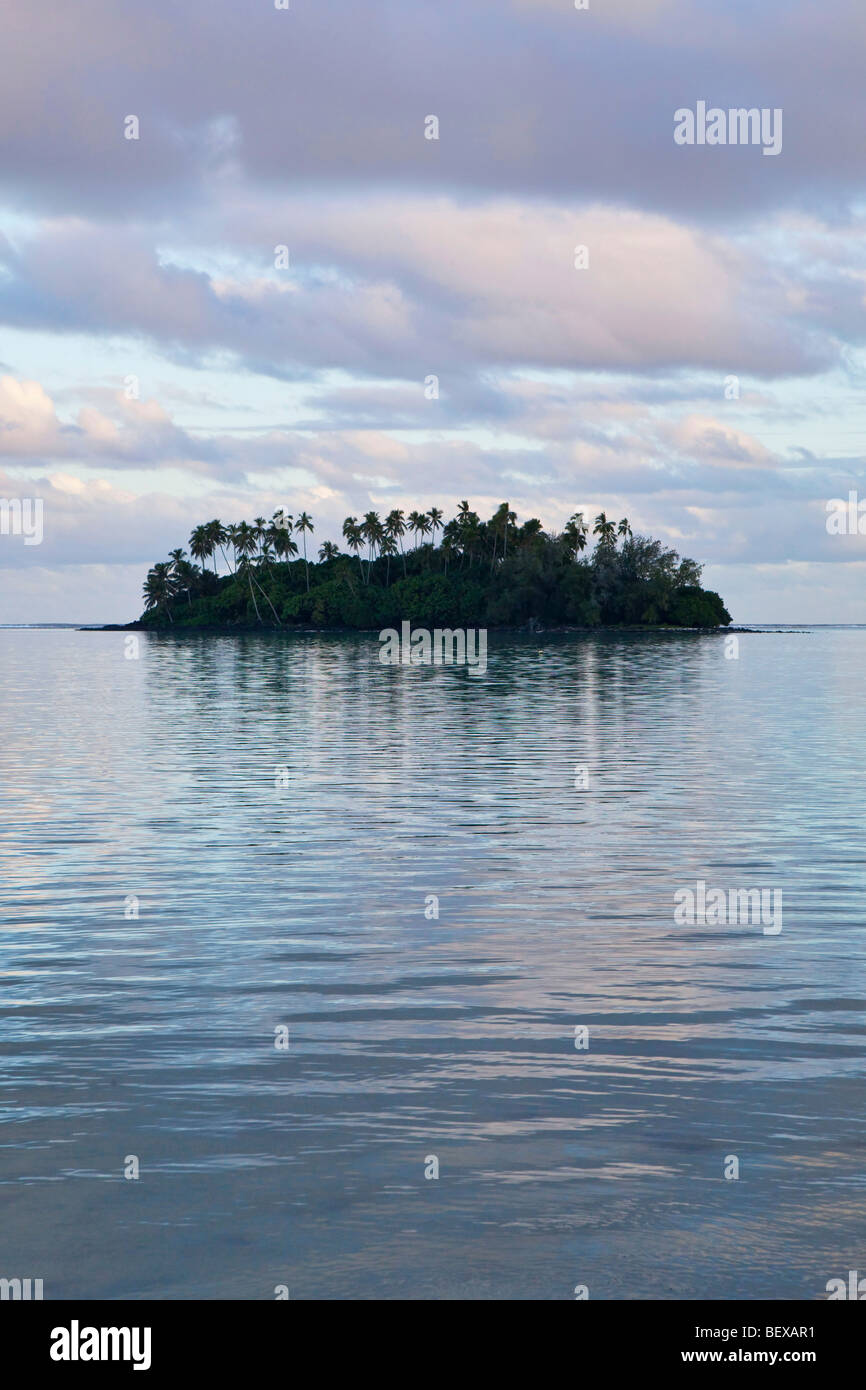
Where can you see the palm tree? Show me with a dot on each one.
(435, 521)
(575, 533)
(329, 551)
(159, 588)
(451, 541)
(283, 544)
(271, 538)
(304, 524)
(395, 527)
(468, 524)
(354, 538)
(186, 577)
(243, 538)
(281, 540)
(181, 572)
(260, 526)
(605, 530)
(624, 529)
(266, 542)
(500, 521)
(372, 531)
(201, 546)
(218, 537)
(415, 519)
(231, 532)
(387, 546)
(510, 519)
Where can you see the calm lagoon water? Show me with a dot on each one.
(303, 906)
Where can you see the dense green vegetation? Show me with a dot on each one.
(479, 574)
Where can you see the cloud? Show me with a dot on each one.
(28, 423)
(134, 433)
(531, 98)
(393, 286)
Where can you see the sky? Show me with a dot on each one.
(232, 257)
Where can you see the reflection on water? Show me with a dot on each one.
(303, 904)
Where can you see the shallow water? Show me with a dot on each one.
(303, 906)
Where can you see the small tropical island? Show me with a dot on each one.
(432, 572)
